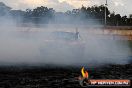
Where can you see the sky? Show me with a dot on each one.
(122, 7)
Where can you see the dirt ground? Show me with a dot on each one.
(57, 77)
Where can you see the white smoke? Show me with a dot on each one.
(33, 45)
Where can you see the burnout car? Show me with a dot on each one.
(63, 45)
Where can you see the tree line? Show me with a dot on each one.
(84, 14)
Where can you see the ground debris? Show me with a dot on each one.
(42, 77)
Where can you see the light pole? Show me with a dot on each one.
(106, 13)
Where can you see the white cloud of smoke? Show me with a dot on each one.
(33, 45)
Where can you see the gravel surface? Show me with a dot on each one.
(58, 77)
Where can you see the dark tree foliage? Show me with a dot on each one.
(4, 10)
(85, 14)
(39, 14)
(90, 13)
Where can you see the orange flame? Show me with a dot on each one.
(84, 73)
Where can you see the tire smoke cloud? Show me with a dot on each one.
(37, 45)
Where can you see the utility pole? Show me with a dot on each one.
(106, 13)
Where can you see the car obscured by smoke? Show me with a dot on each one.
(63, 45)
